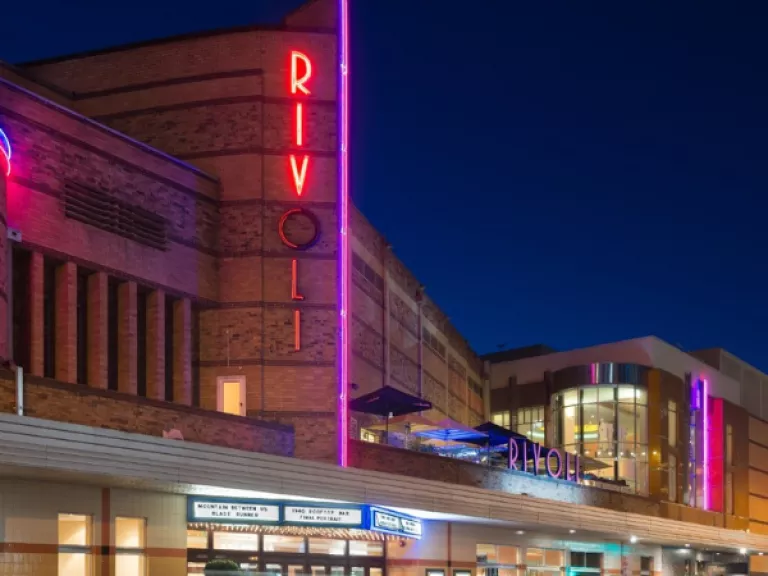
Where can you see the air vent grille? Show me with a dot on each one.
(98, 209)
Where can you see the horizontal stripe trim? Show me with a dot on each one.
(255, 150)
(191, 104)
(145, 148)
(756, 443)
(107, 156)
(302, 305)
(33, 548)
(245, 73)
(264, 362)
(180, 38)
(273, 202)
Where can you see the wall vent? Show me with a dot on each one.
(100, 210)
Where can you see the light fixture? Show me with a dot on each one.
(520, 532)
(571, 531)
(742, 551)
(759, 553)
(687, 545)
(633, 539)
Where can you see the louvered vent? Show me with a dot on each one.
(102, 211)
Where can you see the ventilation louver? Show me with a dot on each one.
(100, 210)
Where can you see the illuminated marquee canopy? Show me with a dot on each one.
(302, 514)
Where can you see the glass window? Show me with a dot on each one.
(281, 543)
(501, 418)
(197, 539)
(75, 539)
(508, 555)
(608, 424)
(553, 558)
(130, 540)
(246, 541)
(672, 478)
(534, 557)
(672, 422)
(327, 546)
(366, 548)
(530, 422)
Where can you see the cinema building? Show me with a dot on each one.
(201, 328)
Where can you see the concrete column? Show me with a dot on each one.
(126, 337)
(156, 345)
(98, 329)
(66, 322)
(182, 351)
(36, 287)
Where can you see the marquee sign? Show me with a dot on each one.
(307, 514)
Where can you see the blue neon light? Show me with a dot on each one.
(5, 148)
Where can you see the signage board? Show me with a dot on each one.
(233, 511)
(323, 516)
(393, 523)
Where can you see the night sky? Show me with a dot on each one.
(557, 172)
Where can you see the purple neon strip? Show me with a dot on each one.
(343, 352)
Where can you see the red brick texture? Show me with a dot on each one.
(66, 322)
(182, 350)
(75, 404)
(36, 280)
(156, 345)
(97, 329)
(126, 338)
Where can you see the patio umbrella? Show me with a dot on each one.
(406, 423)
(388, 401)
(449, 430)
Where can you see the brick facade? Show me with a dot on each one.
(215, 119)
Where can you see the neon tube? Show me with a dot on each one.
(343, 352)
(5, 148)
(705, 435)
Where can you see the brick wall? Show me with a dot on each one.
(77, 404)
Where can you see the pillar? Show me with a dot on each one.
(98, 327)
(182, 351)
(36, 298)
(156, 345)
(65, 348)
(126, 338)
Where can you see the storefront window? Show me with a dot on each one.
(197, 539)
(366, 548)
(246, 541)
(497, 560)
(327, 546)
(75, 534)
(281, 543)
(608, 425)
(130, 541)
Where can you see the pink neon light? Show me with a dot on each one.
(297, 84)
(344, 279)
(299, 175)
(5, 148)
(705, 434)
(299, 124)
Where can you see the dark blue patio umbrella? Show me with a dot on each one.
(388, 401)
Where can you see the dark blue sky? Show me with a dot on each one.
(559, 172)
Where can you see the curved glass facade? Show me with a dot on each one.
(607, 424)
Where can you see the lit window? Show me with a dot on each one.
(246, 541)
(501, 418)
(280, 543)
(74, 544)
(197, 539)
(672, 422)
(530, 422)
(327, 546)
(366, 548)
(130, 541)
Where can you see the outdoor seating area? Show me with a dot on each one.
(398, 421)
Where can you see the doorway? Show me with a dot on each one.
(230, 395)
